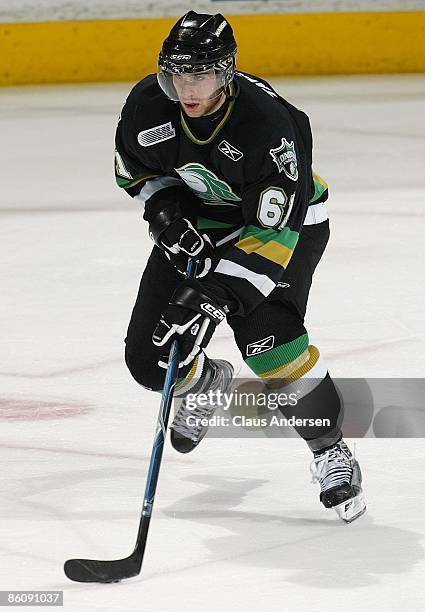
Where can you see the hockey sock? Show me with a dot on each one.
(317, 412)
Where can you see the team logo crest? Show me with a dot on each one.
(207, 186)
(260, 346)
(285, 159)
(230, 151)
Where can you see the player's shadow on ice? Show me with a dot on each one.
(321, 553)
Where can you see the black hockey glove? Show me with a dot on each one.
(193, 315)
(180, 241)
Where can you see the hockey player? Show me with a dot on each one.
(223, 168)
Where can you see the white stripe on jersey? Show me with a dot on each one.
(316, 213)
(234, 234)
(260, 281)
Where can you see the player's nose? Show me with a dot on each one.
(188, 85)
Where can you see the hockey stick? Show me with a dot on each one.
(90, 570)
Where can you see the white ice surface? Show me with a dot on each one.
(237, 524)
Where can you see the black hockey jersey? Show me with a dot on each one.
(250, 182)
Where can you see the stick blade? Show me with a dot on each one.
(90, 570)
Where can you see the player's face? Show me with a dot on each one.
(198, 94)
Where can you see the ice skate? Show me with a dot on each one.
(340, 479)
(186, 433)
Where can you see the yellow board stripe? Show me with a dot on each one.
(127, 50)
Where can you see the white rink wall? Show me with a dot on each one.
(14, 11)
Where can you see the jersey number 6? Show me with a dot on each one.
(274, 208)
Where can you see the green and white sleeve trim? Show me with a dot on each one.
(154, 185)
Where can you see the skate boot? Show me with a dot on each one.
(340, 479)
(186, 435)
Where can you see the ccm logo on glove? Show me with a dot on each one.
(215, 313)
(192, 316)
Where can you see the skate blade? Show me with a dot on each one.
(351, 509)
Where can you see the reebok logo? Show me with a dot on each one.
(230, 151)
(260, 346)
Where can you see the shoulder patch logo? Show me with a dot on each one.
(260, 346)
(150, 137)
(230, 151)
(285, 158)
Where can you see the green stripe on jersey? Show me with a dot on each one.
(286, 236)
(204, 223)
(319, 188)
(123, 182)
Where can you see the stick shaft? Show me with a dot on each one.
(159, 440)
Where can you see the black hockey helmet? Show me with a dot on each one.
(198, 43)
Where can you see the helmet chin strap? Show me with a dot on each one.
(230, 96)
(226, 90)
(220, 92)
